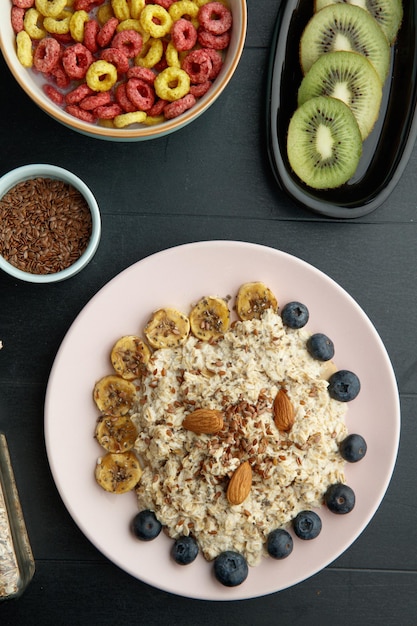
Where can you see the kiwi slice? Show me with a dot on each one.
(324, 143)
(345, 27)
(350, 77)
(388, 13)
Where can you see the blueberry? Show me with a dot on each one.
(307, 525)
(145, 525)
(184, 550)
(279, 544)
(353, 448)
(295, 315)
(230, 568)
(344, 386)
(340, 498)
(320, 347)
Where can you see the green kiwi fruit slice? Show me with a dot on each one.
(324, 143)
(345, 27)
(388, 13)
(350, 77)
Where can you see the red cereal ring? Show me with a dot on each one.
(215, 18)
(173, 109)
(208, 40)
(200, 89)
(144, 73)
(108, 111)
(129, 42)
(86, 5)
(76, 61)
(59, 75)
(123, 100)
(198, 66)
(117, 58)
(107, 31)
(217, 60)
(53, 94)
(64, 38)
(17, 14)
(24, 4)
(79, 93)
(46, 55)
(163, 3)
(91, 30)
(140, 93)
(157, 108)
(97, 100)
(183, 35)
(76, 111)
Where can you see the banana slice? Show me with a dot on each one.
(167, 328)
(118, 473)
(114, 395)
(253, 299)
(129, 357)
(116, 433)
(210, 318)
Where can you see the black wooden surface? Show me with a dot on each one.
(211, 180)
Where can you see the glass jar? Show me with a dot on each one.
(17, 565)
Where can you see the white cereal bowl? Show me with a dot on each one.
(32, 83)
(27, 172)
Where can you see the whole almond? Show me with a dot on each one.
(283, 412)
(240, 484)
(204, 421)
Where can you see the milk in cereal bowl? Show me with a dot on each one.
(238, 472)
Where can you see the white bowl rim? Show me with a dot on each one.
(26, 172)
(126, 134)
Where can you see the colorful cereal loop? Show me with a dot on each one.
(172, 84)
(101, 76)
(77, 25)
(136, 7)
(155, 20)
(121, 9)
(171, 55)
(32, 23)
(151, 53)
(57, 25)
(126, 119)
(24, 49)
(50, 8)
(184, 9)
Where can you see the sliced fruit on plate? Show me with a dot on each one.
(210, 318)
(253, 299)
(129, 357)
(114, 395)
(167, 328)
(324, 143)
(116, 433)
(388, 13)
(350, 77)
(345, 27)
(118, 473)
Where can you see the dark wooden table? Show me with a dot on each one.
(211, 180)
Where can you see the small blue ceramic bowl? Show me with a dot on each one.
(28, 172)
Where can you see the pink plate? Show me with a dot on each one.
(177, 277)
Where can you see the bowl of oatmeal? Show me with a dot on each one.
(50, 223)
(123, 75)
(331, 308)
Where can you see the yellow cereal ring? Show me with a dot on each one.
(24, 49)
(172, 84)
(121, 9)
(162, 24)
(151, 53)
(104, 13)
(126, 119)
(171, 55)
(32, 23)
(77, 23)
(57, 25)
(130, 24)
(184, 8)
(101, 76)
(136, 7)
(50, 8)
(151, 120)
